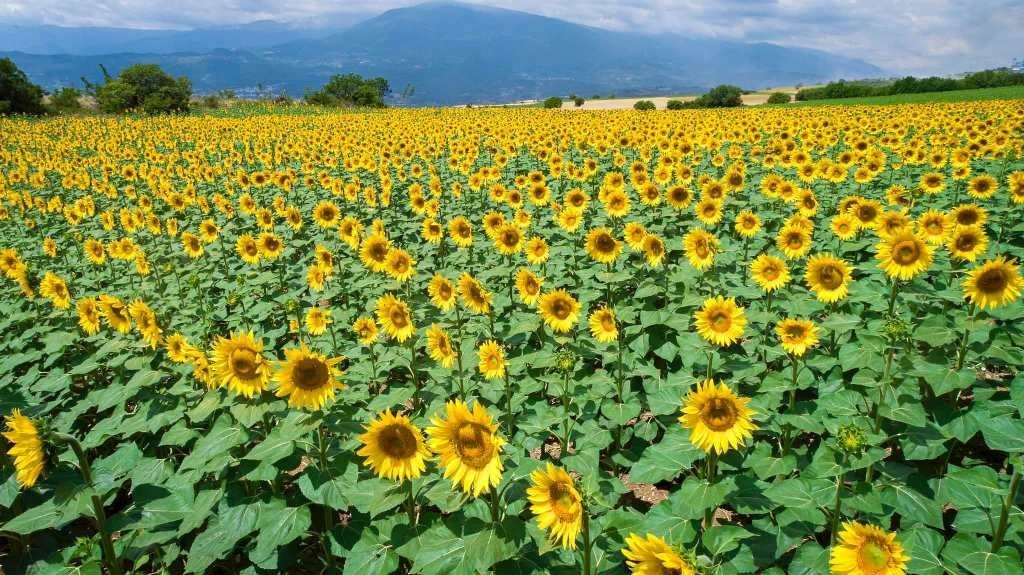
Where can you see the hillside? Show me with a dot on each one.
(456, 53)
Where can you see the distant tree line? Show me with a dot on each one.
(911, 85)
(722, 96)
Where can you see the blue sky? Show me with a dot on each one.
(901, 36)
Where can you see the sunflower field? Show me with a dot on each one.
(514, 341)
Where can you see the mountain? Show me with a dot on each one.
(455, 53)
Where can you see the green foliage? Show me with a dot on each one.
(351, 90)
(644, 105)
(578, 101)
(675, 105)
(65, 100)
(553, 102)
(779, 98)
(144, 88)
(722, 96)
(17, 94)
(910, 85)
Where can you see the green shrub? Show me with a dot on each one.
(65, 100)
(779, 98)
(578, 101)
(675, 105)
(644, 105)
(17, 94)
(351, 90)
(553, 102)
(146, 88)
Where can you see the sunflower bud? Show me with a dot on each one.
(851, 439)
(291, 305)
(565, 361)
(897, 329)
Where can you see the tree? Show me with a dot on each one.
(351, 90)
(675, 105)
(553, 102)
(144, 87)
(778, 98)
(578, 101)
(644, 105)
(723, 96)
(17, 94)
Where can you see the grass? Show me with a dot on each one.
(1004, 93)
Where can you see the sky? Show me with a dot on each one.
(901, 36)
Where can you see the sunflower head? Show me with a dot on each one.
(474, 295)
(439, 346)
(602, 325)
(528, 285)
(651, 555)
(967, 243)
(442, 292)
(238, 364)
(559, 310)
(602, 246)
(828, 277)
(393, 447)
(394, 315)
(717, 418)
(366, 330)
(308, 379)
(557, 504)
(468, 446)
(867, 550)
(720, 321)
(26, 448)
(492, 359)
(797, 335)
(994, 283)
(903, 255)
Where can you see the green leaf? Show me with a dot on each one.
(371, 555)
(666, 459)
(923, 545)
(912, 504)
(278, 525)
(1003, 433)
(220, 537)
(722, 539)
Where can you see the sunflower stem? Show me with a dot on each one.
(787, 437)
(412, 370)
(495, 509)
(511, 421)
(837, 512)
(411, 502)
(709, 513)
(328, 518)
(710, 364)
(997, 538)
(892, 295)
(106, 544)
(586, 542)
(961, 355)
(458, 350)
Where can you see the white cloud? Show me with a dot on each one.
(903, 36)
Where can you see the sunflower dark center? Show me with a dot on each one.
(993, 281)
(873, 557)
(906, 252)
(244, 363)
(474, 445)
(966, 242)
(565, 503)
(830, 277)
(720, 320)
(718, 413)
(310, 374)
(397, 441)
(605, 243)
(967, 217)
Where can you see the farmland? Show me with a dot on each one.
(454, 341)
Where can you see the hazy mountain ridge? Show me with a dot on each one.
(455, 53)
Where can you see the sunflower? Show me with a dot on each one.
(179, 350)
(993, 284)
(115, 313)
(602, 325)
(374, 253)
(399, 265)
(828, 277)
(654, 249)
(95, 251)
(394, 315)
(528, 285)
(366, 330)
(442, 292)
(569, 219)
(635, 233)
(317, 320)
(932, 183)
(844, 226)
(208, 231)
(248, 249)
(508, 240)
(26, 448)
(968, 215)
(439, 346)
(679, 197)
(720, 321)
(966, 243)
(474, 295)
(393, 447)
(793, 241)
(717, 418)
(709, 211)
(866, 211)
(602, 246)
(88, 314)
(238, 364)
(492, 359)
(867, 550)
(983, 186)
(747, 224)
(270, 245)
(769, 272)
(652, 556)
(700, 247)
(308, 379)
(432, 231)
(468, 446)
(559, 310)
(50, 247)
(557, 505)
(797, 335)
(326, 214)
(55, 289)
(933, 226)
(904, 255)
(536, 250)
(891, 224)
(316, 275)
(145, 322)
(191, 244)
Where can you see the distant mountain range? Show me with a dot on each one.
(452, 53)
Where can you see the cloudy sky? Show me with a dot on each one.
(901, 36)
